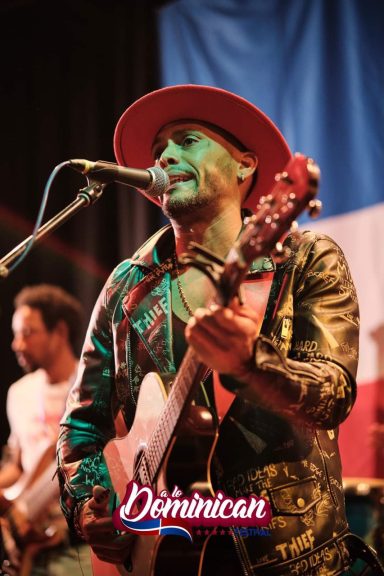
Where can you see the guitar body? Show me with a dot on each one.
(157, 555)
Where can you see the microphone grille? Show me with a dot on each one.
(160, 182)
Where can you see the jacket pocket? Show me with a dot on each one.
(295, 498)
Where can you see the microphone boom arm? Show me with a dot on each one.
(86, 197)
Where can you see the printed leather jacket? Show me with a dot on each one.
(279, 438)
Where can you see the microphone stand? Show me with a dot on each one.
(86, 197)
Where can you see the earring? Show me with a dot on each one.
(241, 176)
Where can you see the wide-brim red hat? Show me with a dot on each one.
(140, 123)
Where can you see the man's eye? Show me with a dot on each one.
(189, 140)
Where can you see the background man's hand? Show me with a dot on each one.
(11, 565)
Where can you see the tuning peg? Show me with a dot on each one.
(265, 200)
(252, 219)
(284, 177)
(281, 253)
(314, 208)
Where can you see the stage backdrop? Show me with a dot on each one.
(316, 68)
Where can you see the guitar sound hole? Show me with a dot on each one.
(187, 463)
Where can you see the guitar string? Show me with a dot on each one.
(167, 416)
(154, 437)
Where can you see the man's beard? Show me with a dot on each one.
(182, 206)
(208, 196)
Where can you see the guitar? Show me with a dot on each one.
(144, 453)
(22, 507)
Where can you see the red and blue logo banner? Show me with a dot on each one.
(144, 512)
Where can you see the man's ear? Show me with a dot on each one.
(62, 329)
(247, 165)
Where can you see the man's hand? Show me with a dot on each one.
(223, 338)
(11, 565)
(99, 532)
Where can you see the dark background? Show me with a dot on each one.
(68, 71)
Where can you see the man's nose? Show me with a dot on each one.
(18, 343)
(170, 154)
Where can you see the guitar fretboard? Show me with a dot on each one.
(182, 388)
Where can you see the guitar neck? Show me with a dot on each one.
(191, 372)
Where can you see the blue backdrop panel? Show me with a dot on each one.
(316, 67)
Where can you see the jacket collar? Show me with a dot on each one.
(162, 244)
(156, 249)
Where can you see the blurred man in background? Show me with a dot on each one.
(46, 324)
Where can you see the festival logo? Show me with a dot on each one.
(144, 512)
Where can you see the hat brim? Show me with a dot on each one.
(140, 123)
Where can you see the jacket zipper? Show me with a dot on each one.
(246, 568)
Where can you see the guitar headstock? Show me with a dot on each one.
(294, 191)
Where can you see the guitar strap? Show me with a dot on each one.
(147, 307)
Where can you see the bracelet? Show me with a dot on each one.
(76, 516)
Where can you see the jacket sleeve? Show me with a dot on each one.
(88, 423)
(315, 382)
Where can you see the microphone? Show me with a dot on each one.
(154, 181)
